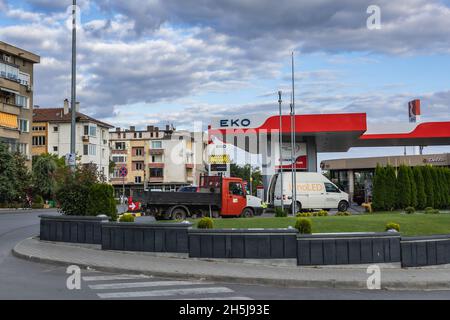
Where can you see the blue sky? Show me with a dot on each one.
(159, 62)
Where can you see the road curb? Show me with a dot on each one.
(285, 283)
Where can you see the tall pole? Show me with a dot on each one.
(74, 76)
(280, 141)
(294, 159)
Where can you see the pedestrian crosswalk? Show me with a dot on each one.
(124, 286)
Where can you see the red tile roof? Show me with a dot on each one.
(57, 115)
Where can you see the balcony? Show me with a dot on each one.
(156, 165)
(156, 151)
(10, 108)
(10, 84)
(155, 179)
(119, 151)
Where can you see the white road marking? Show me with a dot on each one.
(108, 278)
(218, 298)
(126, 285)
(164, 293)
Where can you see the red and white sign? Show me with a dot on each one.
(133, 206)
(414, 110)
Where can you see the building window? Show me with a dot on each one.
(23, 125)
(85, 149)
(38, 141)
(139, 152)
(120, 146)
(24, 78)
(90, 130)
(138, 166)
(92, 149)
(156, 172)
(119, 159)
(156, 145)
(21, 101)
(55, 149)
(55, 129)
(22, 148)
(137, 179)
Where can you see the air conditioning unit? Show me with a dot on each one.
(29, 88)
(85, 138)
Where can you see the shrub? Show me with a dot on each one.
(101, 200)
(127, 217)
(392, 226)
(343, 213)
(38, 200)
(303, 225)
(280, 213)
(304, 214)
(410, 210)
(430, 210)
(205, 223)
(322, 213)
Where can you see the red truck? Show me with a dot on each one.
(216, 196)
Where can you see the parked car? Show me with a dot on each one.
(188, 189)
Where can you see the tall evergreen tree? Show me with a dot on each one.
(389, 188)
(378, 199)
(44, 169)
(403, 187)
(444, 187)
(429, 186)
(413, 187)
(437, 195)
(8, 190)
(420, 186)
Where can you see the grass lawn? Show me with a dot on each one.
(410, 224)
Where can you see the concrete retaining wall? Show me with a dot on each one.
(348, 248)
(425, 251)
(148, 237)
(243, 243)
(76, 229)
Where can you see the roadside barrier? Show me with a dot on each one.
(309, 250)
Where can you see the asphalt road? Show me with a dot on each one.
(20, 279)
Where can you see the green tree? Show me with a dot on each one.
(8, 183)
(403, 188)
(243, 172)
(429, 186)
(443, 186)
(378, 191)
(101, 200)
(22, 177)
(437, 195)
(389, 183)
(44, 175)
(420, 187)
(412, 181)
(73, 191)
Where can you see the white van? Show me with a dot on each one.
(314, 191)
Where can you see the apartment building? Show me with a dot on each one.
(51, 134)
(159, 159)
(16, 98)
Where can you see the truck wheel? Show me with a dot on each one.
(247, 213)
(298, 207)
(178, 214)
(342, 206)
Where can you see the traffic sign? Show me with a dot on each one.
(123, 171)
(70, 159)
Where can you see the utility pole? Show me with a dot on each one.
(294, 158)
(280, 141)
(74, 76)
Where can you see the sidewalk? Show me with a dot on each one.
(343, 277)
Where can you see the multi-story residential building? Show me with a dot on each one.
(51, 134)
(160, 159)
(16, 97)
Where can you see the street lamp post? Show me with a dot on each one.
(280, 141)
(294, 159)
(73, 87)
